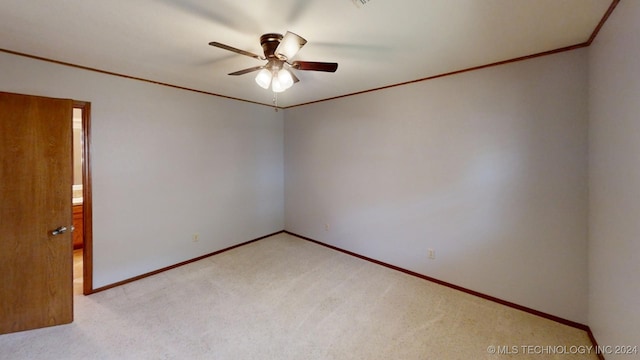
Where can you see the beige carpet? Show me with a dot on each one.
(286, 298)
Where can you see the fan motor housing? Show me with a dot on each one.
(269, 44)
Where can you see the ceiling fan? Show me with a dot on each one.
(278, 51)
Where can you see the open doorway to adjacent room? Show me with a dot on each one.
(81, 201)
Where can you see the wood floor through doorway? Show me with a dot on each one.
(77, 272)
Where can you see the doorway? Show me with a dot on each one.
(36, 251)
(35, 212)
(82, 200)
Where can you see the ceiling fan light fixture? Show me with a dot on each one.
(285, 78)
(289, 46)
(278, 50)
(263, 79)
(277, 86)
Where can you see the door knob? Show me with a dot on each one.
(60, 230)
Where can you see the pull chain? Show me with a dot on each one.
(275, 101)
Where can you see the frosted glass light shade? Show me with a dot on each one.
(277, 86)
(264, 78)
(285, 78)
(289, 46)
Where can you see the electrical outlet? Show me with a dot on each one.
(431, 254)
(195, 237)
(326, 227)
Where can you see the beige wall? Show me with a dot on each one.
(614, 180)
(166, 163)
(488, 168)
(77, 147)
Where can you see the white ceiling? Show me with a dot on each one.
(381, 43)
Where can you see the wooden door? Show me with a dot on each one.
(36, 267)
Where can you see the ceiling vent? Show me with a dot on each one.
(360, 3)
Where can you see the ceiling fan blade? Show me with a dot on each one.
(289, 46)
(238, 51)
(246, 71)
(294, 77)
(315, 66)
